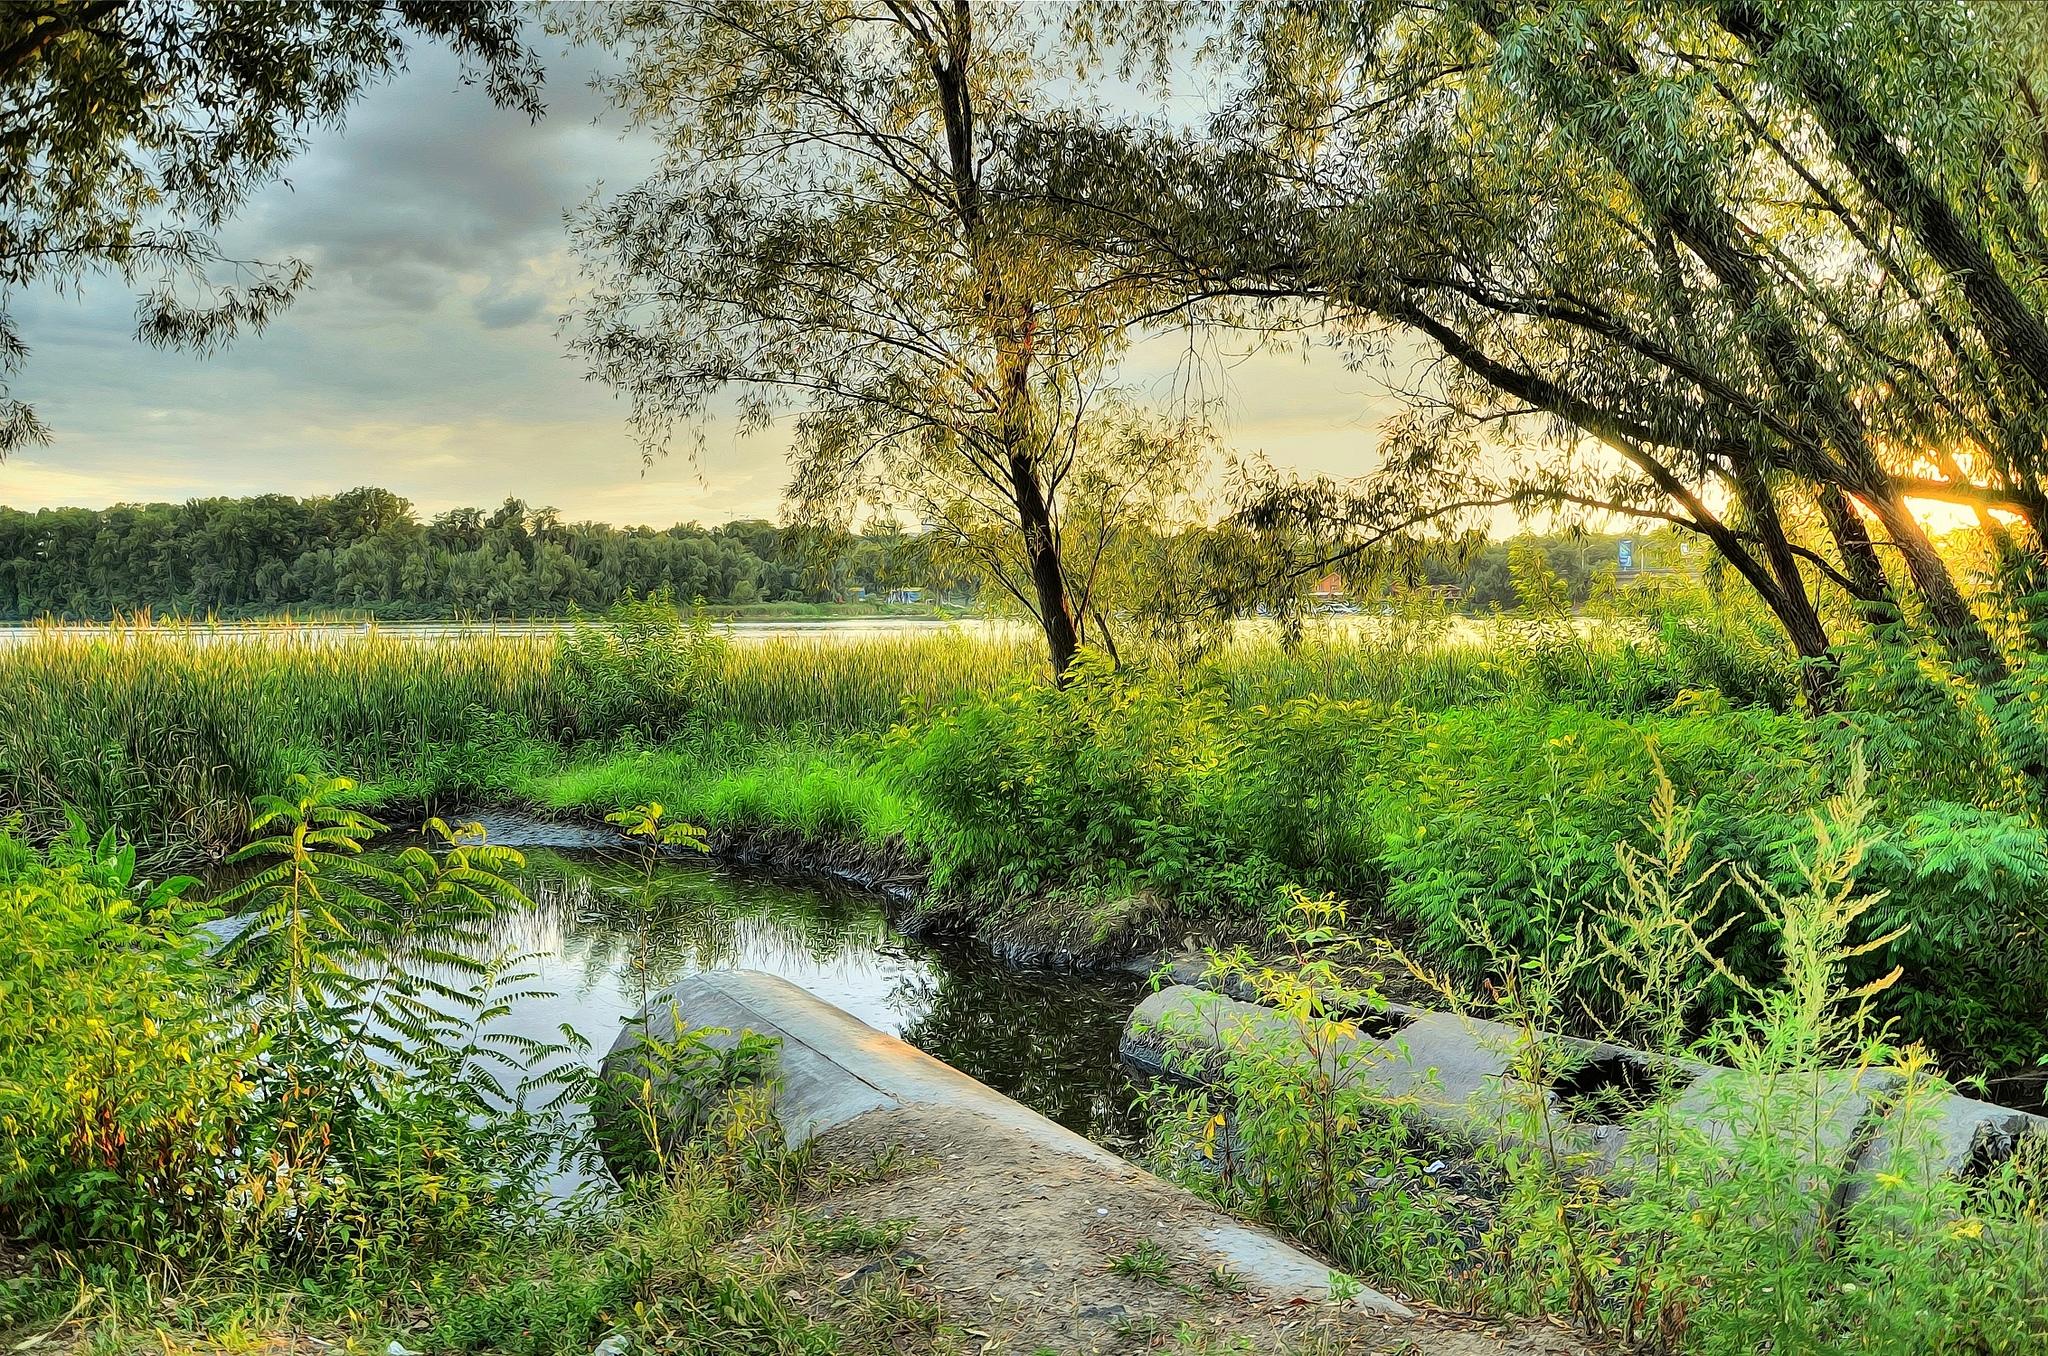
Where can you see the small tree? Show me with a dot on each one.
(833, 232)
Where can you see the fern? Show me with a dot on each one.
(383, 997)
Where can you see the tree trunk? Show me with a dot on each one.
(1048, 578)
(1819, 670)
(1859, 556)
(1948, 612)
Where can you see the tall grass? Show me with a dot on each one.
(832, 686)
(169, 732)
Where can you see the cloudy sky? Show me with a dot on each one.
(427, 356)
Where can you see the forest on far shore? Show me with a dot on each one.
(367, 551)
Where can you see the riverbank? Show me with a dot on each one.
(1559, 809)
(1468, 801)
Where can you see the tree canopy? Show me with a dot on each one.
(366, 551)
(1767, 272)
(835, 233)
(132, 130)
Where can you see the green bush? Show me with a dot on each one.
(641, 670)
(123, 1092)
(1724, 1240)
(325, 1096)
(1464, 830)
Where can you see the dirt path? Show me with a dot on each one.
(1029, 1250)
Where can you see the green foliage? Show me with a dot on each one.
(1709, 1216)
(1287, 1131)
(328, 1096)
(169, 734)
(1721, 1241)
(676, 1087)
(122, 1090)
(641, 671)
(399, 1112)
(1504, 826)
(708, 1257)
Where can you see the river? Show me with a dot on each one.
(327, 633)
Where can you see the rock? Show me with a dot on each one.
(1454, 1073)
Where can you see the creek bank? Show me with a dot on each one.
(1124, 935)
(1027, 1228)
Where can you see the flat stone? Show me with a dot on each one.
(1189, 1033)
(1275, 1266)
(834, 1070)
(1451, 1069)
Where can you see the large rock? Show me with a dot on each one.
(1455, 1074)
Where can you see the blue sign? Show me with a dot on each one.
(1628, 554)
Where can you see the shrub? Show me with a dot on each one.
(1722, 1241)
(641, 670)
(123, 1092)
(327, 1095)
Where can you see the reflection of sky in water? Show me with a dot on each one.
(592, 952)
(600, 936)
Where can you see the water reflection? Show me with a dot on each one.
(602, 937)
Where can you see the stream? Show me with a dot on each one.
(1046, 1038)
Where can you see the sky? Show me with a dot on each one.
(428, 355)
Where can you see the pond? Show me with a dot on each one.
(1046, 1038)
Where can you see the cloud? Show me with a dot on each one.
(500, 310)
(429, 182)
(425, 356)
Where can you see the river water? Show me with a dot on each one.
(329, 633)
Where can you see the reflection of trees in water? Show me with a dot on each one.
(1047, 1039)
(602, 911)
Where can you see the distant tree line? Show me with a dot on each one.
(367, 551)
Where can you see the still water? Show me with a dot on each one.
(600, 939)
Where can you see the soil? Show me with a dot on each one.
(996, 1240)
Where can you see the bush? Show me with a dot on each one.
(639, 671)
(1466, 830)
(123, 1092)
(324, 1097)
(1723, 1240)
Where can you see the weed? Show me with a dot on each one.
(1146, 1261)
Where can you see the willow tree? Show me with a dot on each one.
(1768, 272)
(131, 130)
(831, 235)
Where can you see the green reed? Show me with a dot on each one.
(169, 732)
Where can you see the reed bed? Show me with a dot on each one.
(832, 686)
(168, 733)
